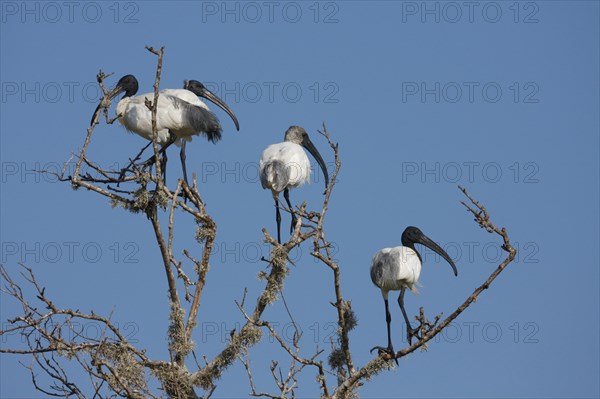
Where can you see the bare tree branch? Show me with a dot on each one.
(116, 368)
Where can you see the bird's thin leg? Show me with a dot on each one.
(388, 320)
(162, 152)
(410, 331)
(286, 195)
(182, 156)
(278, 219)
(163, 166)
(150, 161)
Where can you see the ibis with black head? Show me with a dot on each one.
(399, 268)
(285, 165)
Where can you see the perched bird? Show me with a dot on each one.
(284, 166)
(180, 115)
(398, 268)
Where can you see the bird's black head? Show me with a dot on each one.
(195, 87)
(128, 84)
(201, 91)
(413, 235)
(297, 135)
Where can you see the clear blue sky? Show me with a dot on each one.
(501, 97)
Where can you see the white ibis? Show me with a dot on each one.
(285, 165)
(180, 114)
(398, 268)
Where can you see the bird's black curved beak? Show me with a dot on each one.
(212, 97)
(105, 102)
(306, 143)
(429, 243)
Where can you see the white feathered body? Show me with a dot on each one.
(394, 268)
(170, 116)
(283, 165)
